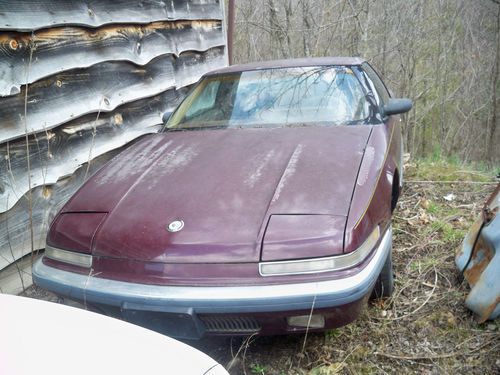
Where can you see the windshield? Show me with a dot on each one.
(286, 96)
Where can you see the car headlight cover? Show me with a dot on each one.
(71, 257)
(75, 230)
(317, 265)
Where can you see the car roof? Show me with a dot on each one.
(289, 63)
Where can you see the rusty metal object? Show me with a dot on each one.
(489, 209)
(38, 14)
(100, 88)
(479, 261)
(62, 49)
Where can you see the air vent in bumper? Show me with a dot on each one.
(230, 324)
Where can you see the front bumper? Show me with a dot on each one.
(133, 301)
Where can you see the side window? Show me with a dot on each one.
(377, 82)
(205, 101)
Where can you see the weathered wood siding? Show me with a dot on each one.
(79, 80)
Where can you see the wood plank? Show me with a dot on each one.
(60, 49)
(100, 88)
(37, 14)
(59, 152)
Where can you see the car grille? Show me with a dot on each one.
(243, 324)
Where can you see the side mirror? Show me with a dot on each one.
(165, 117)
(397, 106)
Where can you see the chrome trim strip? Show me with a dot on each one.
(71, 257)
(325, 264)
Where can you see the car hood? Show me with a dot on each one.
(224, 185)
(121, 348)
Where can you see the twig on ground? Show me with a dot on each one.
(436, 356)
(308, 324)
(405, 232)
(426, 300)
(452, 182)
(245, 344)
(28, 162)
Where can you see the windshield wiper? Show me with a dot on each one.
(180, 129)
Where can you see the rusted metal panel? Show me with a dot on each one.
(479, 260)
(100, 88)
(60, 49)
(37, 14)
(59, 152)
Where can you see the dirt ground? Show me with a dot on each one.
(424, 328)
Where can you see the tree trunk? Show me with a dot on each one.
(490, 150)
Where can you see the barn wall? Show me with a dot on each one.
(79, 81)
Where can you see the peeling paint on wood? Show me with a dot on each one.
(37, 14)
(62, 49)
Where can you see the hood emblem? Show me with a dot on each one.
(175, 226)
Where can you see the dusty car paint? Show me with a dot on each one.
(230, 190)
(245, 196)
(369, 204)
(286, 236)
(479, 261)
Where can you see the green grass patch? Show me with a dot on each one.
(447, 232)
(443, 170)
(423, 265)
(257, 369)
(333, 334)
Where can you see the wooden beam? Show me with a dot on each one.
(100, 88)
(38, 14)
(60, 49)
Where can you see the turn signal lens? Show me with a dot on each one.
(77, 259)
(304, 321)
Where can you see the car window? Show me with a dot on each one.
(287, 96)
(382, 93)
(205, 101)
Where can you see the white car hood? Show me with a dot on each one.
(39, 337)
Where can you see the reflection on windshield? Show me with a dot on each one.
(331, 95)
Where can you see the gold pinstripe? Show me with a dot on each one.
(378, 178)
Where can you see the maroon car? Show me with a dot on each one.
(264, 206)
